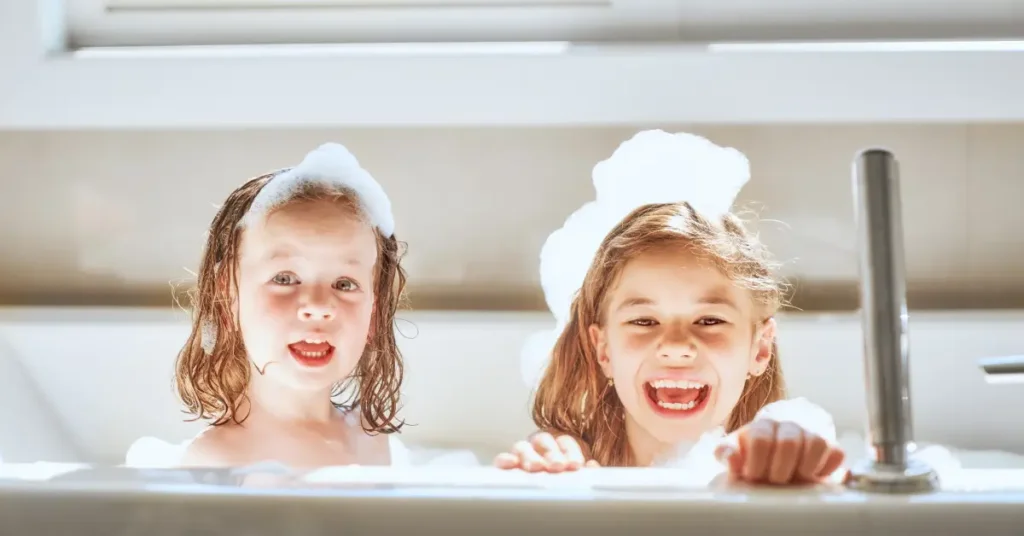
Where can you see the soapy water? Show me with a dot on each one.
(652, 167)
(152, 453)
(697, 460)
(698, 457)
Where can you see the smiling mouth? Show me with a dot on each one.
(680, 397)
(311, 353)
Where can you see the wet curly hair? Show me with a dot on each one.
(213, 385)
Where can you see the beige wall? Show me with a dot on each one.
(114, 217)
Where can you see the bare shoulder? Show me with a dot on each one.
(374, 449)
(214, 447)
(379, 442)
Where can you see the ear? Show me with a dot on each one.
(762, 351)
(600, 344)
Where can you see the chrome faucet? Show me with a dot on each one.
(1008, 369)
(876, 196)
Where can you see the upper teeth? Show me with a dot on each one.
(314, 341)
(677, 384)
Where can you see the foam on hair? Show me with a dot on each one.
(653, 166)
(331, 165)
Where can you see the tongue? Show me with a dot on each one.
(304, 346)
(675, 395)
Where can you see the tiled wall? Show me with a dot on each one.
(114, 217)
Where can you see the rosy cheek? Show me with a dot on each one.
(720, 340)
(275, 304)
(639, 342)
(634, 345)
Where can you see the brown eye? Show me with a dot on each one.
(710, 321)
(643, 322)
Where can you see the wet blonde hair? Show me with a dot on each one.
(574, 397)
(213, 386)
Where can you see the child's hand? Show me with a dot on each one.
(779, 453)
(545, 453)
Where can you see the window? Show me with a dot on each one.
(253, 22)
(232, 22)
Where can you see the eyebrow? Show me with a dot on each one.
(710, 299)
(287, 253)
(634, 302)
(718, 299)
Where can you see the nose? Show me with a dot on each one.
(677, 344)
(317, 305)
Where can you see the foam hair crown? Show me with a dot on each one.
(652, 167)
(330, 164)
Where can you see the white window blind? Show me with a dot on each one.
(211, 22)
(252, 22)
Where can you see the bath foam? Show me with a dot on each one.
(154, 453)
(652, 167)
(330, 164)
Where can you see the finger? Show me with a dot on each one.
(506, 460)
(789, 445)
(540, 440)
(832, 462)
(756, 443)
(731, 457)
(546, 446)
(572, 451)
(529, 459)
(722, 452)
(733, 460)
(813, 459)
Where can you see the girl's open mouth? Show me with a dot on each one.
(677, 398)
(312, 353)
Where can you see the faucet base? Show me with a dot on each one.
(873, 477)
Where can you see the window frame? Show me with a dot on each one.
(629, 84)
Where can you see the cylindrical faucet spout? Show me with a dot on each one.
(883, 304)
(876, 192)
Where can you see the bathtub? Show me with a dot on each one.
(92, 350)
(472, 501)
(449, 491)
